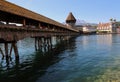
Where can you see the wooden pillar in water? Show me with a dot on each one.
(35, 43)
(11, 49)
(61, 38)
(15, 49)
(44, 42)
(47, 41)
(57, 40)
(2, 52)
(38, 43)
(6, 50)
(51, 41)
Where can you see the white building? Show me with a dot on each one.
(104, 28)
(86, 29)
(110, 27)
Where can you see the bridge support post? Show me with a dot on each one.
(43, 43)
(2, 53)
(50, 41)
(36, 46)
(38, 43)
(57, 39)
(7, 53)
(47, 43)
(14, 44)
(6, 50)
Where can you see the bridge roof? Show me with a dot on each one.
(17, 10)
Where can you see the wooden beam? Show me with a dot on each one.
(15, 49)
(24, 22)
(6, 50)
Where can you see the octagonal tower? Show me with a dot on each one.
(70, 20)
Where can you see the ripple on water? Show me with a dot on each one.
(94, 58)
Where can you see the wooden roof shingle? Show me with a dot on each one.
(70, 18)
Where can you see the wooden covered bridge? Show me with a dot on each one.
(17, 23)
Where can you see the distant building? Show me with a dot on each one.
(110, 27)
(118, 27)
(86, 29)
(104, 28)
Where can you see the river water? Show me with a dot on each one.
(87, 58)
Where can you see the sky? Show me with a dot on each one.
(92, 11)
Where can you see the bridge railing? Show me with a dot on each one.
(14, 27)
(13, 32)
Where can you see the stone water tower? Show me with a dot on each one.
(70, 21)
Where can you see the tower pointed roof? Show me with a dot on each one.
(70, 18)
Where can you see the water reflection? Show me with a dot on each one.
(31, 65)
(92, 58)
(105, 39)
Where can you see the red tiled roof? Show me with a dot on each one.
(104, 24)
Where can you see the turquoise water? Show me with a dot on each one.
(89, 58)
(94, 58)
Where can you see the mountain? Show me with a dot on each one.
(83, 23)
(80, 22)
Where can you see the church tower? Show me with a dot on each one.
(70, 20)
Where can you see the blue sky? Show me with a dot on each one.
(93, 11)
